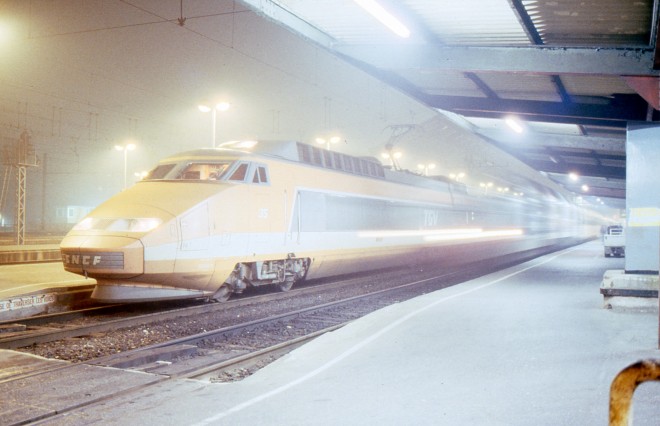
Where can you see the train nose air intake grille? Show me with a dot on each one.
(98, 260)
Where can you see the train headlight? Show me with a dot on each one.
(84, 225)
(141, 224)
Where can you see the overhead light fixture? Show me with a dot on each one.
(573, 176)
(385, 17)
(514, 124)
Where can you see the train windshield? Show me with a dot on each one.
(189, 171)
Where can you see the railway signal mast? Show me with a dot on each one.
(19, 156)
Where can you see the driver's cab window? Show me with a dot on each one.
(239, 174)
(203, 171)
(250, 172)
(260, 174)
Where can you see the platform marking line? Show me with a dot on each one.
(362, 344)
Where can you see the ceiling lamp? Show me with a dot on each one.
(385, 17)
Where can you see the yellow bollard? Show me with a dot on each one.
(624, 385)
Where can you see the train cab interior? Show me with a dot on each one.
(227, 171)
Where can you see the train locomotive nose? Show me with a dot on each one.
(103, 256)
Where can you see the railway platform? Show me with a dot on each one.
(531, 344)
(28, 289)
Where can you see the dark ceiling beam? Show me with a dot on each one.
(599, 157)
(554, 155)
(526, 22)
(566, 155)
(611, 188)
(561, 89)
(591, 181)
(580, 121)
(580, 169)
(527, 59)
(615, 114)
(532, 139)
(485, 89)
(596, 191)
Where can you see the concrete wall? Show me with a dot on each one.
(643, 197)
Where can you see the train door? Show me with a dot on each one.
(194, 227)
(293, 220)
(193, 262)
(309, 215)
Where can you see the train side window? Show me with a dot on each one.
(356, 166)
(327, 158)
(317, 157)
(240, 173)
(348, 164)
(304, 154)
(336, 159)
(364, 166)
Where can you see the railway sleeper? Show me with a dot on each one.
(282, 273)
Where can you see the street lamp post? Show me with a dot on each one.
(125, 148)
(426, 167)
(392, 155)
(486, 186)
(220, 106)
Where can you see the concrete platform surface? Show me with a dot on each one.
(49, 386)
(37, 288)
(530, 345)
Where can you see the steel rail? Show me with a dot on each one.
(211, 366)
(31, 337)
(109, 360)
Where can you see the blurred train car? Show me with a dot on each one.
(212, 222)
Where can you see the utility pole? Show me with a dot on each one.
(20, 156)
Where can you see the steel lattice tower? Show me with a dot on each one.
(20, 156)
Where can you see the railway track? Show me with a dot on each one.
(35, 331)
(64, 325)
(60, 326)
(234, 351)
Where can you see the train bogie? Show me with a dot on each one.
(282, 272)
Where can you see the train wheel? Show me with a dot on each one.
(285, 286)
(223, 293)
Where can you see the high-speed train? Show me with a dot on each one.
(211, 222)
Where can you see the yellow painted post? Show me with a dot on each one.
(624, 385)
